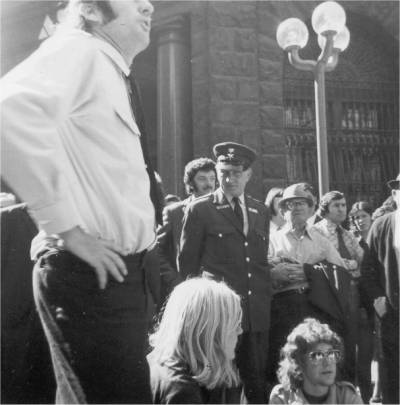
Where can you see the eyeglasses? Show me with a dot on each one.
(296, 203)
(333, 356)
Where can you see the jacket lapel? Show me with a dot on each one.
(223, 207)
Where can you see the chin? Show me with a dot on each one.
(328, 379)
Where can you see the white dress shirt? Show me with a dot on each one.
(310, 248)
(71, 147)
(329, 229)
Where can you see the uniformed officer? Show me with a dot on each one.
(225, 237)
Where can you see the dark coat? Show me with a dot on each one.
(173, 384)
(329, 289)
(213, 244)
(169, 234)
(168, 239)
(379, 269)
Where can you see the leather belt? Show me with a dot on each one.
(301, 290)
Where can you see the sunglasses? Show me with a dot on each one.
(333, 356)
(296, 203)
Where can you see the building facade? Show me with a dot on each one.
(214, 72)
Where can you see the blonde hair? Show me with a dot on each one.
(198, 319)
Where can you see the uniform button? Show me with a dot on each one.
(220, 235)
(249, 292)
(246, 244)
(247, 259)
(249, 275)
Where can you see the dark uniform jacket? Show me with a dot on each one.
(213, 244)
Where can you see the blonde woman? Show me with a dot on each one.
(192, 360)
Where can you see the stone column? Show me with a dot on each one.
(174, 126)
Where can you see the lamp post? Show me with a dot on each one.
(328, 21)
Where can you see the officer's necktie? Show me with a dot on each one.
(137, 110)
(343, 251)
(238, 210)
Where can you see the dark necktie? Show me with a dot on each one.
(343, 251)
(237, 210)
(136, 105)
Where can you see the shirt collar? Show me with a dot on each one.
(104, 46)
(113, 54)
(330, 226)
(241, 199)
(286, 228)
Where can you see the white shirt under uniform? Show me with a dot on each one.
(70, 145)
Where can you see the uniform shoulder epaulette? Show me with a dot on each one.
(254, 200)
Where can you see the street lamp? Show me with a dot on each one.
(328, 21)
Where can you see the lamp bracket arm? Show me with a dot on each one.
(299, 63)
(327, 52)
(333, 61)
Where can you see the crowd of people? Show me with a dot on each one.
(218, 298)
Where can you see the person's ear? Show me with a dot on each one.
(91, 13)
(249, 173)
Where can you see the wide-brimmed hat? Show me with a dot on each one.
(298, 190)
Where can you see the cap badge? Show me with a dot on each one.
(231, 152)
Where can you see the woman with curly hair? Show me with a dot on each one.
(192, 361)
(308, 368)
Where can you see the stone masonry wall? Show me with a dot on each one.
(237, 72)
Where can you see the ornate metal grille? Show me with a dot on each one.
(363, 136)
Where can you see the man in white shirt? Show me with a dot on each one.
(291, 252)
(72, 150)
(333, 210)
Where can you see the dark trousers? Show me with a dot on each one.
(251, 358)
(389, 337)
(97, 337)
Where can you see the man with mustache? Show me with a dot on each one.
(199, 179)
(73, 152)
